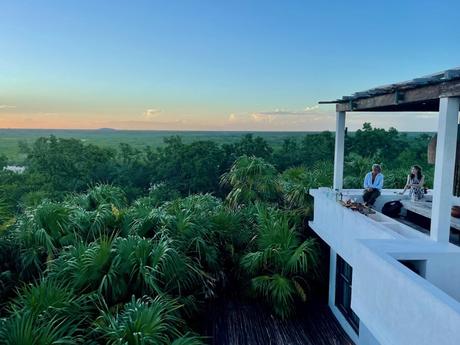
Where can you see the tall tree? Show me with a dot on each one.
(251, 179)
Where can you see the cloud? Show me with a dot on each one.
(278, 116)
(282, 112)
(232, 117)
(169, 124)
(151, 113)
(262, 117)
(6, 106)
(313, 107)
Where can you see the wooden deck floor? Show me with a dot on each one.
(236, 324)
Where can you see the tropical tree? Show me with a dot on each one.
(102, 194)
(188, 168)
(3, 161)
(317, 147)
(281, 265)
(296, 184)
(6, 215)
(10, 267)
(47, 312)
(370, 141)
(252, 179)
(289, 155)
(25, 329)
(145, 321)
(41, 232)
(69, 164)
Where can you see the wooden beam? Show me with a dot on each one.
(450, 90)
(422, 98)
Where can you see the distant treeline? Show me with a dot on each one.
(55, 165)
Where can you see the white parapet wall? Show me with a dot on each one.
(397, 305)
(340, 227)
(394, 304)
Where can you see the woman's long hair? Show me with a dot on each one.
(419, 172)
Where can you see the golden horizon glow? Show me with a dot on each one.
(314, 119)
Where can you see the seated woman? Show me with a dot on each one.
(414, 183)
(373, 183)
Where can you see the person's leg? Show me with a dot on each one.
(366, 196)
(374, 195)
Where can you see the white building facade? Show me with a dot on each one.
(389, 283)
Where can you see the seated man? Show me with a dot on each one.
(373, 183)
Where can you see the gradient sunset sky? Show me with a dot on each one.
(214, 65)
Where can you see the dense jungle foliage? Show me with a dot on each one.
(128, 246)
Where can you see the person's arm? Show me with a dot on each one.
(422, 182)
(378, 184)
(366, 183)
(407, 184)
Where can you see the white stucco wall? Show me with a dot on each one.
(393, 303)
(365, 336)
(397, 305)
(443, 271)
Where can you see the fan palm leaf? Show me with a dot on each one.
(142, 321)
(279, 290)
(26, 329)
(106, 194)
(251, 179)
(280, 263)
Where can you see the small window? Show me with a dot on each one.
(343, 284)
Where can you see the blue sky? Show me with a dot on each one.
(218, 65)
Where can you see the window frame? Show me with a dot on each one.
(343, 288)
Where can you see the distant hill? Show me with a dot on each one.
(106, 129)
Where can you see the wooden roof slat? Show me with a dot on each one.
(419, 94)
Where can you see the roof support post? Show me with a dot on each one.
(444, 168)
(339, 149)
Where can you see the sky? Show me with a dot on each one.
(214, 65)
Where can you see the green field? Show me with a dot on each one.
(9, 138)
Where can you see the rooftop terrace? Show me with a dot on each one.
(401, 284)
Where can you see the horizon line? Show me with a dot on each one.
(108, 129)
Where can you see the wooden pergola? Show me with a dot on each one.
(439, 92)
(417, 95)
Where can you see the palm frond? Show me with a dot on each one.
(279, 290)
(188, 340)
(27, 329)
(142, 321)
(303, 258)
